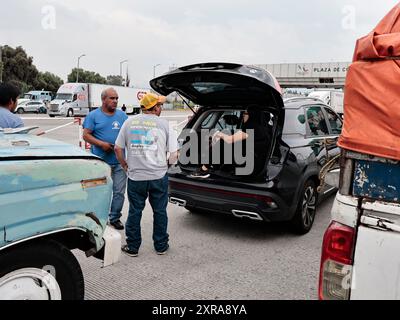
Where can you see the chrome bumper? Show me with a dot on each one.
(112, 246)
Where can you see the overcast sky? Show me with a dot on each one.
(178, 32)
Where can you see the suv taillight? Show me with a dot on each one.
(336, 262)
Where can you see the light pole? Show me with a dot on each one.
(120, 69)
(77, 71)
(154, 69)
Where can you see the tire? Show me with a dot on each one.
(70, 113)
(32, 259)
(304, 217)
(20, 110)
(51, 115)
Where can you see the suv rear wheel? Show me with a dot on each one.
(42, 270)
(304, 217)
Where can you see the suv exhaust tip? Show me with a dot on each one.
(247, 214)
(177, 201)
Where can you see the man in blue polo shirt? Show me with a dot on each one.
(8, 102)
(101, 129)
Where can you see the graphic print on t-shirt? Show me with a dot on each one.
(145, 136)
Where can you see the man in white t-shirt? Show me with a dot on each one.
(146, 140)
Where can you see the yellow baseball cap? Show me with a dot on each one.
(149, 100)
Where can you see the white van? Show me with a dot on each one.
(43, 96)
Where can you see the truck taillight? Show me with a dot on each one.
(336, 262)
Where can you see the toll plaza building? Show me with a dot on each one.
(309, 75)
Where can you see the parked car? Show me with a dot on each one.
(31, 106)
(54, 198)
(286, 190)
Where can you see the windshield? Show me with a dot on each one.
(27, 96)
(64, 96)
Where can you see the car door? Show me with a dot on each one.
(317, 132)
(335, 128)
(324, 127)
(30, 106)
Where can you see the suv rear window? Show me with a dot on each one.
(208, 87)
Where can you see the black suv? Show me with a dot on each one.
(303, 137)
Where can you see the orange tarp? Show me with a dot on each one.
(372, 92)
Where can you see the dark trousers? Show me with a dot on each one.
(138, 192)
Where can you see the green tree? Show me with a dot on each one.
(86, 76)
(22, 86)
(18, 66)
(114, 80)
(48, 81)
(1, 71)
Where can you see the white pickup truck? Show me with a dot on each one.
(361, 248)
(360, 253)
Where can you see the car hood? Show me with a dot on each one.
(20, 146)
(222, 85)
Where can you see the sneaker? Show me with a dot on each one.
(201, 174)
(163, 252)
(132, 253)
(117, 225)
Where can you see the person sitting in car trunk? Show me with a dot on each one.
(255, 121)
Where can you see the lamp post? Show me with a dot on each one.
(120, 69)
(154, 69)
(77, 71)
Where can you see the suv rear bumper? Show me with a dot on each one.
(240, 202)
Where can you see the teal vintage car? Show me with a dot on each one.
(54, 198)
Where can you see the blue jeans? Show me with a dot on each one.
(118, 176)
(138, 191)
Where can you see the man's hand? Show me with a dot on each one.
(119, 153)
(124, 166)
(216, 137)
(88, 137)
(107, 147)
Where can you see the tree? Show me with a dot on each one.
(1, 70)
(114, 80)
(86, 76)
(22, 86)
(18, 66)
(48, 82)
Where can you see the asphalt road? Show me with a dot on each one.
(211, 256)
